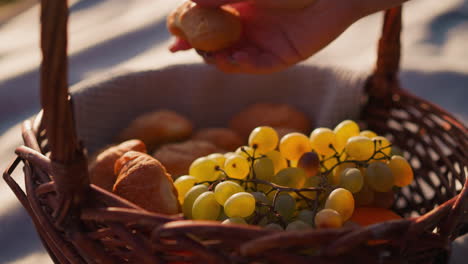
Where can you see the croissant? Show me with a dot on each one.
(101, 169)
(144, 181)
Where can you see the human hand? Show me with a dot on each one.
(276, 38)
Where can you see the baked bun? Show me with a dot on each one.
(159, 127)
(283, 131)
(224, 138)
(206, 29)
(144, 181)
(269, 114)
(101, 169)
(177, 157)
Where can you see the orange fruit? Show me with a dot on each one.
(365, 216)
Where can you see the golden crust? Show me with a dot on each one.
(157, 128)
(177, 157)
(101, 169)
(207, 29)
(144, 181)
(221, 137)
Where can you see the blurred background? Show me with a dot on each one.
(112, 35)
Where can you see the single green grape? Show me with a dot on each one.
(401, 170)
(306, 216)
(368, 134)
(352, 180)
(241, 204)
(290, 177)
(379, 176)
(205, 207)
(285, 205)
(263, 139)
(264, 169)
(383, 145)
(234, 220)
(323, 141)
(218, 158)
(226, 189)
(297, 226)
(342, 201)
(359, 148)
(261, 198)
(183, 184)
(328, 218)
(334, 177)
(310, 163)
(204, 169)
(264, 221)
(345, 130)
(190, 197)
(237, 167)
(294, 145)
(279, 162)
(274, 227)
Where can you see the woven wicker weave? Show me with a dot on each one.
(81, 223)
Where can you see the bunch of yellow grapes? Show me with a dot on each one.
(294, 182)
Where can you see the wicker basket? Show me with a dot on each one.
(75, 228)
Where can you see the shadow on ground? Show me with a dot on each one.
(18, 237)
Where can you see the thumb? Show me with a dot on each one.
(215, 3)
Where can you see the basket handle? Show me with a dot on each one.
(384, 79)
(69, 167)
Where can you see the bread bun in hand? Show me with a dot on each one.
(101, 169)
(144, 181)
(206, 29)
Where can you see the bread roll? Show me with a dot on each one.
(206, 29)
(157, 128)
(269, 114)
(144, 181)
(177, 157)
(224, 138)
(283, 131)
(101, 170)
